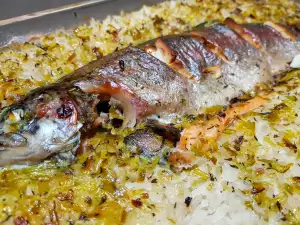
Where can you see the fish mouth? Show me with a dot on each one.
(11, 140)
(16, 149)
(71, 144)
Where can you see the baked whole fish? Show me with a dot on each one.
(164, 78)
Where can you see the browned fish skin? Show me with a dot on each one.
(151, 85)
(51, 119)
(227, 59)
(207, 66)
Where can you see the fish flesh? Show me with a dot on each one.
(165, 78)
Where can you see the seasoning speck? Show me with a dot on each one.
(122, 65)
(88, 200)
(154, 181)
(20, 220)
(188, 201)
(145, 195)
(83, 216)
(137, 202)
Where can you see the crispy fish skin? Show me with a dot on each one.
(152, 86)
(51, 119)
(167, 77)
(225, 60)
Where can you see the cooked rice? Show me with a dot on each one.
(253, 181)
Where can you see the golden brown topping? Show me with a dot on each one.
(283, 31)
(145, 195)
(214, 71)
(243, 32)
(218, 51)
(257, 188)
(289, 144)
(214, 160)
(72, 57)
(150, 49)
(259, 171)
(168, 54)
(165, 54)
(178, 66)
(296, 180)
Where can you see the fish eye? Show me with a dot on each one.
(33, 126)
(65, 111)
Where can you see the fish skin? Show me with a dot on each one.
(147, 77)
(61, 112)
(166, 77)
(278, 50)
(242, 65)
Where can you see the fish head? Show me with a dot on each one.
(32, 131)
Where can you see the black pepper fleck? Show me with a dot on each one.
(88, 200)
(122, 65)
(154, 181)
(221, 114)
(83, 216)
(188, 201)
(278, 205)
(103, 199)
(211, 177)
(234, 100)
